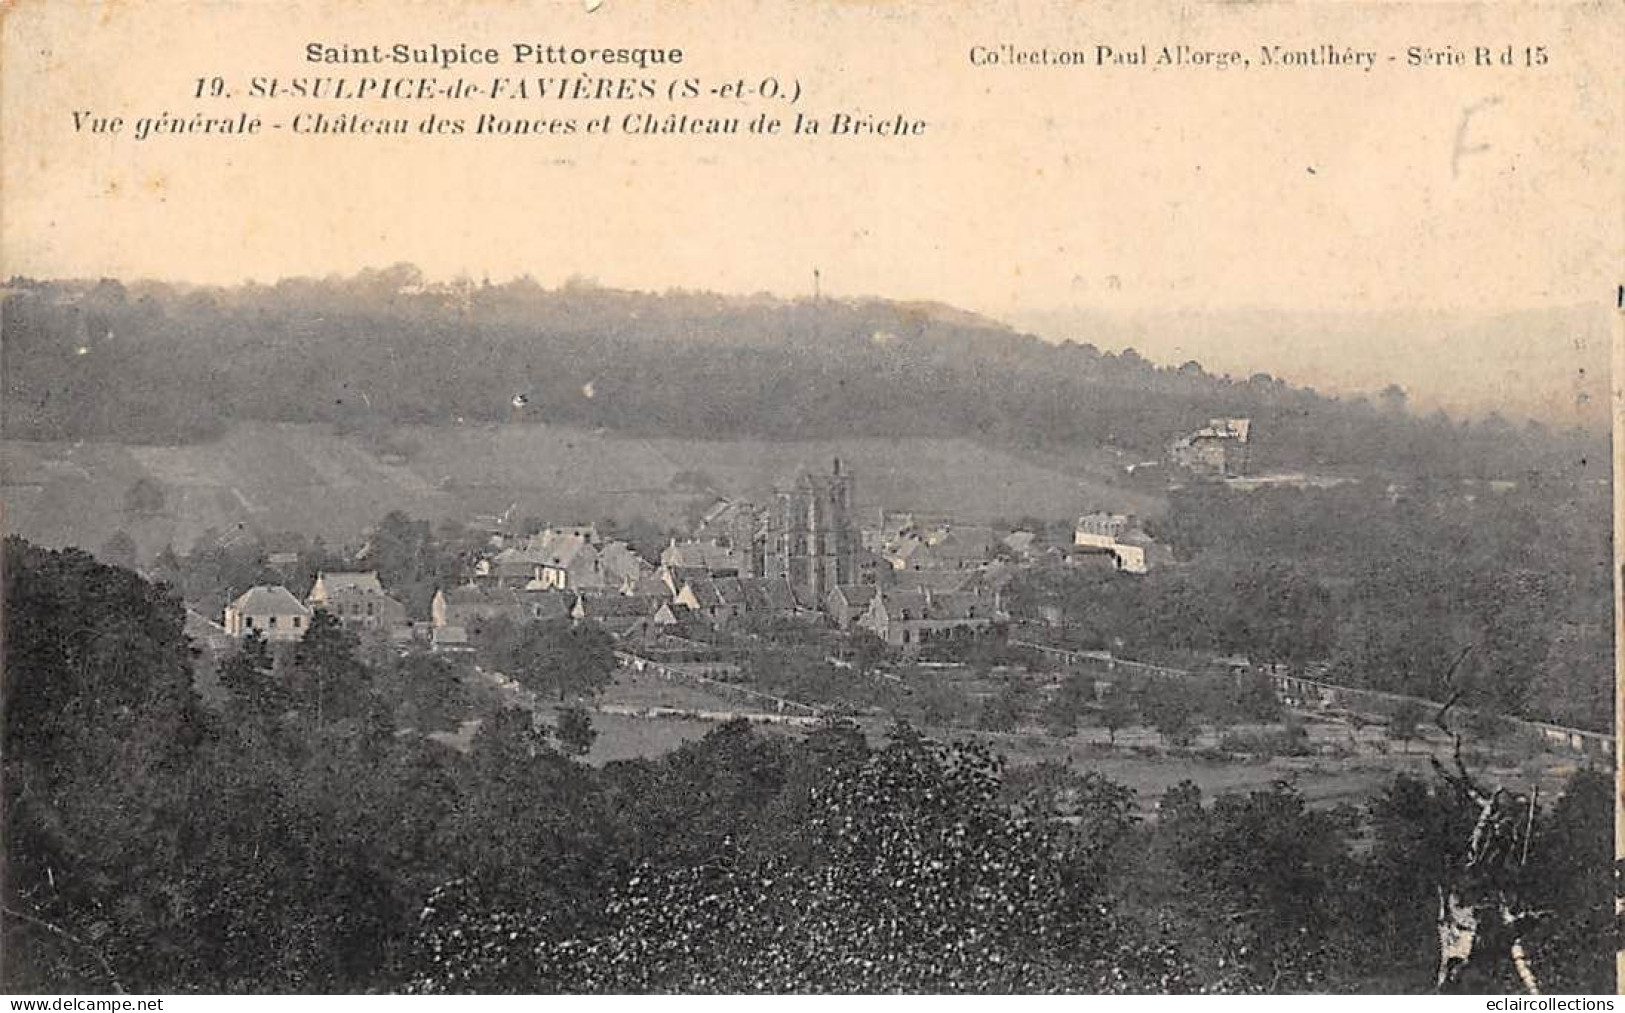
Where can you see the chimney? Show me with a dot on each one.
(837, 466)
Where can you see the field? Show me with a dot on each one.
(1351, 767)
(292, 477)
(1321, 781)
(1136, 760)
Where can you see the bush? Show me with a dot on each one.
(1000, 712)
(1283, 742)
(1167, 706)
(575, 732)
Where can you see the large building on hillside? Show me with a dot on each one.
(1221, 448)
(1120, 534)
(812, 537)
(1100, 528)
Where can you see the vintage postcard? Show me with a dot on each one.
(834, 497)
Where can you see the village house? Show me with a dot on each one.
(994, 576)
(722, 600)
(949, 548)
(910, 619)
(622, 568)
(848, 602)
(357, 600)
(653, 582)
(566, 561)
(468, 608)
(1092, 557)
(513, 567)
(765, 596)
(1220, 449)
(626, 617)
(990, 579)
(1132, 549)
(741, 528)
(967, 546)
(934, 581)
(459, 615)
(674, 577)
(709, 555)
(698, 593)
(269, 610)
(1138, 552)
(911, 553)
(893, 528)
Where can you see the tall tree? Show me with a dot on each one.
(101, 725)
(326, 677)
(555, 657)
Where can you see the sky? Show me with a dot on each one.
(1044, 196)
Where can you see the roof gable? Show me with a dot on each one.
(618, 606)
(855, 596)
(703, 592)
(269, 599)
(343, 580)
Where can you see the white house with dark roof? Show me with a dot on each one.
(269, 610)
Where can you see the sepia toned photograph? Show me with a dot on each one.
(578, 498)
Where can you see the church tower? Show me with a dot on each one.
(815, 535)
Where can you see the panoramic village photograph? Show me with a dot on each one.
(1006, 519)
(378, 634)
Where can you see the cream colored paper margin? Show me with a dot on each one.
(1441, 190)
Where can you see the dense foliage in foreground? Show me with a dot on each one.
(297, 840)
